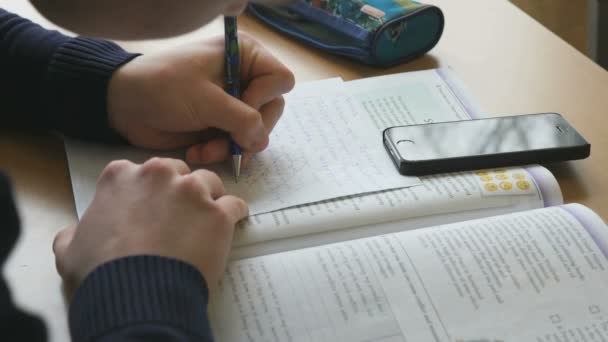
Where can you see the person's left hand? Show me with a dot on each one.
(157, 208)
(176, 98)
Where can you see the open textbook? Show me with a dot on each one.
(534, 275)
(491, 255)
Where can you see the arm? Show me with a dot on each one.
(38, 67)
(145, 255)
(51, 81)
(92, 89)
(80, 87)
(139, 298)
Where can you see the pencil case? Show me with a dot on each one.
(377, 32)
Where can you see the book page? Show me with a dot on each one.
(413, 98)
(322, 148)
(530, 276)
(441, 199)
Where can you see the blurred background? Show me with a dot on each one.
(581, 23)
(566, 18)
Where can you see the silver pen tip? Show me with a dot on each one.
(236, 166)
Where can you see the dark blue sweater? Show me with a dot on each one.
(49, 81)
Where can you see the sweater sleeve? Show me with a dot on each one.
(141, 298)
(54, 82)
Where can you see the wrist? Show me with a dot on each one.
(117, 99)
(76, 83)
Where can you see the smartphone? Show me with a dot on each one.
(483, 143)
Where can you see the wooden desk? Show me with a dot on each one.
(511, 64)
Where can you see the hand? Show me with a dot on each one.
(158, 208)
(175, 98)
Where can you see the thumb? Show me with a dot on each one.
(62, 241)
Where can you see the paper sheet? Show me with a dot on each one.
(322, 148)
(413, 98)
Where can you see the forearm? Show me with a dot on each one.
(139, 298)
(54, 82)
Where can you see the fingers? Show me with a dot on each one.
(267, 78)
(164, 166)
(203, 181)
(248, 120)
(241, 121)
(216, 150)
(271, 113)
(234, 207)
(210, 181)
(179, 165)
(60, 246)
(210, 152)
(266, 88)
(180, 139)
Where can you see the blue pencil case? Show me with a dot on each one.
(377, 32)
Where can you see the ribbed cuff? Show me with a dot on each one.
(140, 289)
(76, 86)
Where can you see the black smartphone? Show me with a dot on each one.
(483, 143)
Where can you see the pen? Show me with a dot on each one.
(233, 82)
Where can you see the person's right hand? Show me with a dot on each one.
(176, 98)
(157, 208)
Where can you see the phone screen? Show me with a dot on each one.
(484, 136)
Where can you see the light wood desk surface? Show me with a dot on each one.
(511, 64)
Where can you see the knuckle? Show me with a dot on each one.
(250, 119)
(164, 72)
(231, 208)
(238, 206)
(113, 169)
(211, 176)
(288, 77)
(280, 105)
(222, 216)
(247, 39)
(56, 239)
(189, 184)
(261, 144)
(156, 166)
